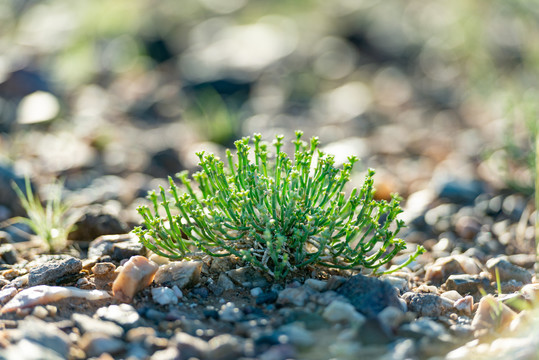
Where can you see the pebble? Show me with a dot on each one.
(229, 312)
(225, 283)
(170, 353)
(460, 191)
(164, 296)
(183, 274)
(317, 285)
(190, 346)
(467, 284)
(7, 293)
(44, 334)
(225, 347)
(87, 324)
(248, 277)
(464, 305)
(294, 296)
(424, 327)
(95, 344)
(369, 295)
(446, 266)
(268, 297)
(508, 271)
(427, 304)
(118, 247)
(297, 335)
(492, 315)
(136, 274)
(8, 254)
(104, 268)
(43, 294)
(95, 221)
(339, 311)
(30, 350)
(467, 227)
(124, 315)
(391, 317)
(451, 295)
(256, 291)
(51, 271)
(399, 283)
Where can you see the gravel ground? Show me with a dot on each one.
(114, 103)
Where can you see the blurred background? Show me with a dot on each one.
(115, 96)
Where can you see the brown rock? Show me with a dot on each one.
(183, 274)
(136, 274)
(492, 315)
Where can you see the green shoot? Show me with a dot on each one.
(50, 222)
(279, 215)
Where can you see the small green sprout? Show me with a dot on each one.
(279, 215)
(50, 222)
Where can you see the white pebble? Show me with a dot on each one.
(177, 292)
(339, 311)
(164, 296)
(256, 291)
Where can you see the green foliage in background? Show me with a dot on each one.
(279, 215)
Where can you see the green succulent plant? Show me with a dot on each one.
(277, 214)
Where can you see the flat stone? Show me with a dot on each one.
(294, 296)
(118, 247)
(229, 312)
(95, 222)
(427, 304)
(29, 350)
(339, 311)
(297, 335)
(164, 296)
(225, 347)
(183, 274)
(247, 277)
(369, 295)
(124, 315)
(52, 270)
(318, 285)
(87, 324)
(190, 346)
(268, 297)
(45, 335)
(467, 284)
(225, 283)
(508, 271)
(95, 344)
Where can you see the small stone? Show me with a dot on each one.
(339, 311)
(95, 344)
(267, 298)
(118, 247)
(279, 352)
(170, 353)
(467, 284)
(427, 304)
(222, 264)
(391, 317)
(467, 227)
(492, 315)
(317, 285)
(136, 274)
(190, 346)
(460, 191)
(30, 350)
(183, 274)
(6, 294)
(177, 292)
(124, 315)
(464, 305)
(424, 327)
(451, 295)
(508, 271)
(51, 271)
(159, 260)
(225, 283)
(248, 277)
(398, 282)
(96, 221)
(446, 266)
(294, 296)
(104, 268)
(369, 295)
(44, 334)
(297, 335)
(87, 324)
(229, 312)
(164, 296)
(256, 291)
(225, 347)
(8, 254)
(40, 312)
